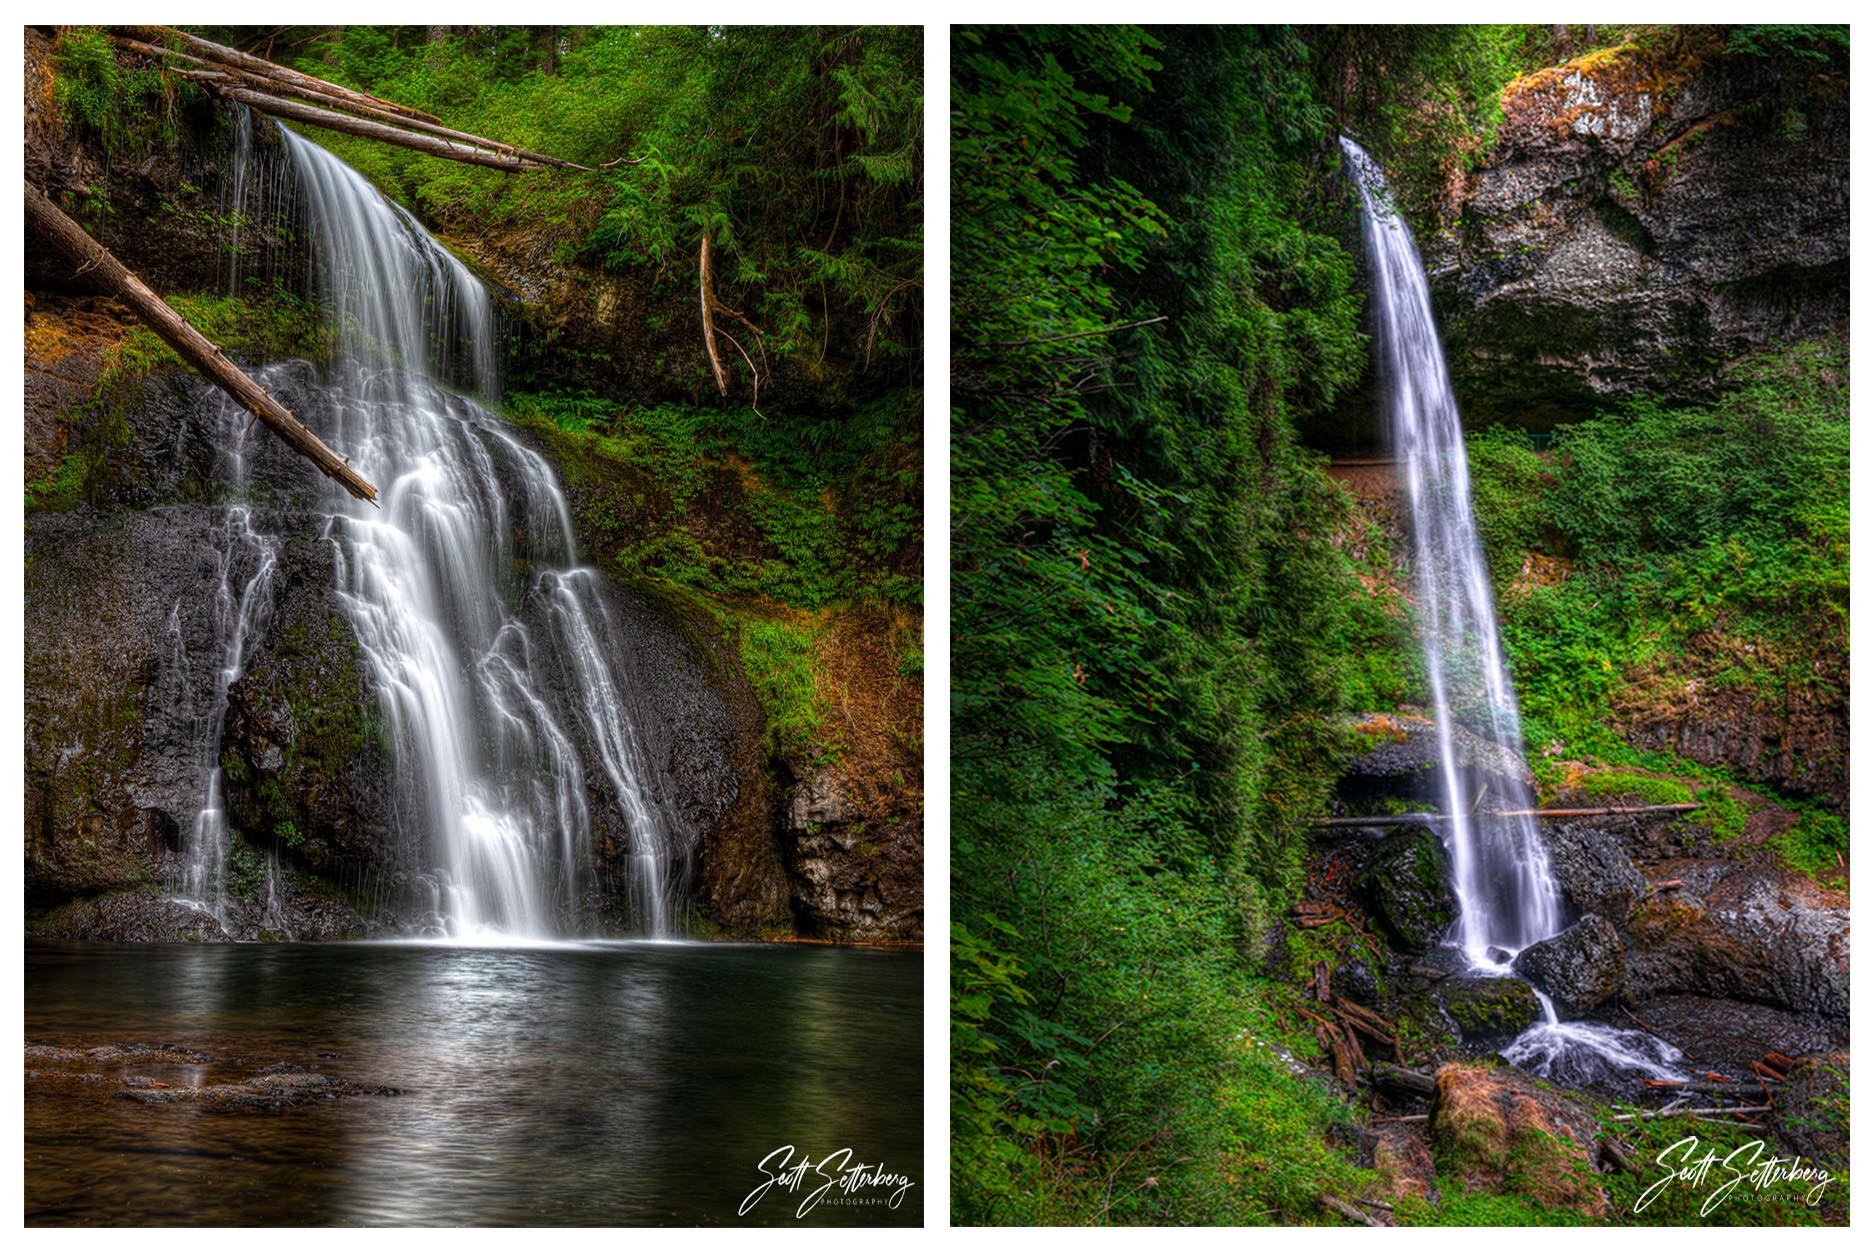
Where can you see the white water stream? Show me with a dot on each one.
(1507, 896)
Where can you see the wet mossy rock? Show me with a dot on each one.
(1488, 1009)
(1750, 930)
(1496, 1130)
(1642, 217)
(1406, 886)
(1580, 968)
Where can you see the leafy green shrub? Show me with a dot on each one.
(1507, 498)
(128, 111)
(1817, 844)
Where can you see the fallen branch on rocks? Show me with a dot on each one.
(1549, 813)
(48, 223)
(1350, 1211)
(1665, 1112)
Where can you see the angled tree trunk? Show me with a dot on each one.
(346, 124)
(204, 50)
(45, 220)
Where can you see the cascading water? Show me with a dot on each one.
(1507, 895)
(461, 591)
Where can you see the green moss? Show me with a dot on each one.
(1818, 844)
(130, 112)
(779, 660)
(1626, 784)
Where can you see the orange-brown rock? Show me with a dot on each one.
(1496, 1130)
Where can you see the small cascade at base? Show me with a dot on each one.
(1507, 895)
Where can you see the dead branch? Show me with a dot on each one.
(705, 297)
(1665, 1112)
(1349, 1210)
(204, 50)
(87, 255)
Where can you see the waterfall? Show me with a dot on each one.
(1507, 895)
(462, 592)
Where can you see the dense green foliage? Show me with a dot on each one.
(127, 111)
(1714, 536)
(798, 150)
(1148, 609)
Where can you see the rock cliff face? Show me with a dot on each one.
(1638, 223)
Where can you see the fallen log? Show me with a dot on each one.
(344, 123)
(1739, 1092)
(1406, 1080)
(1547, 813)
(224, 78)
(204, 50)
(88, 256)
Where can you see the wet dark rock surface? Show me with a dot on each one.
(1728, 1035)
(1396, 755)
(1638, 221)
(1580, 968)
(1748, 930)
(1592, 867)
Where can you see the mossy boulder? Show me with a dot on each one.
(1496, 1130)
(1406, 885)
(1488, 1009)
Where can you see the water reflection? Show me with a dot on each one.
(593, 1083)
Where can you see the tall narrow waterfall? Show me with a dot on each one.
(1507, 895)
(489, 650)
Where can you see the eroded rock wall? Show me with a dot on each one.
(1639, 221)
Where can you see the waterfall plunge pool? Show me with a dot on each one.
(584, 1083)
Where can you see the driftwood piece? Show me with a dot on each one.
(216, 53)
(45, 220)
